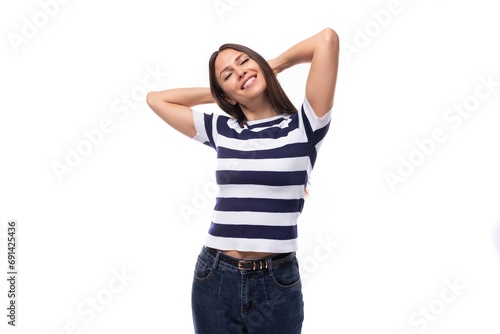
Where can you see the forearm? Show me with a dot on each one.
(188, 97)
(304, 51)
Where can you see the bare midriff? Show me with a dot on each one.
(247, 255)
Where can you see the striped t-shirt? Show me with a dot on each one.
(262, 170)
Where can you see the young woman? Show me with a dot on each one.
(246, 278)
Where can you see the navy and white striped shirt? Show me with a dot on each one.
(262, 170)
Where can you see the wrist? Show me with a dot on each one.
(278, 64)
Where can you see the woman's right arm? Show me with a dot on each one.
(174, 106)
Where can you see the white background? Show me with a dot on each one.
(373, 258)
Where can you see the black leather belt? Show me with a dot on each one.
(257, 264)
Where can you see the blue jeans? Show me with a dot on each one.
(227, 300)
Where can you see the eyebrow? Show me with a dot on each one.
(235, 60)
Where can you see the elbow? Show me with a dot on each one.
(330, 37)
(150, 99)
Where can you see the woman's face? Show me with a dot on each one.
(239, 76)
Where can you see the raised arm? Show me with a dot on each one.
(322, 51)
(174, 106)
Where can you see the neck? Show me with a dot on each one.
(258, 110)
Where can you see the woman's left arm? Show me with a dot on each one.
(322, 51)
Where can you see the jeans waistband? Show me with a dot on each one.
(253, 264)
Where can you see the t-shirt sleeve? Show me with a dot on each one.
(314, 126)
(205, 125)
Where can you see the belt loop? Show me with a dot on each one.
(270, 267)
(216, 261)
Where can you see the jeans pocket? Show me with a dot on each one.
(287, 275)
(201, 270)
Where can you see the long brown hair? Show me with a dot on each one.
(279, 100)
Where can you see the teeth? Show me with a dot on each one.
(248, 82)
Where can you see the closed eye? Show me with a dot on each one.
(229, 75)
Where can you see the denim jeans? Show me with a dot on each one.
(226, 300)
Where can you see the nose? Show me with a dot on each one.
(241, 73)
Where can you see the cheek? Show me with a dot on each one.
(227, 91)
(229, 86)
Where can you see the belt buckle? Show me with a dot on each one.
(254, 264)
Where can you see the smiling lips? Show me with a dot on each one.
(248, 83)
